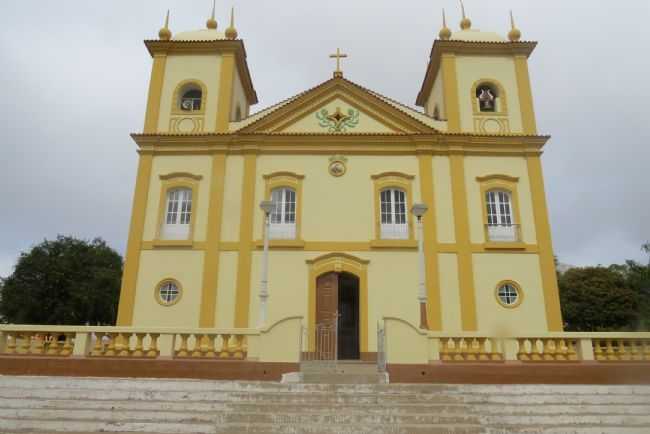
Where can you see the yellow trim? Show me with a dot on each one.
(502, 101)
(165, 188)
(213, 238)
(132, 257)
(281, 244)
(290, 180)
(501, 183)
(434, 307)
(520, 294)
(242, 295)
(156, 293)
(155, 93)
(400, 181)
(465, 262)
(176, 109)
(450, 91)
(169, 244)
(180, 175)
(546, 259)
(339, 263)
(226, 85)
(394, 244)
(525, 95)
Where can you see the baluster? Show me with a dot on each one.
(210, 346)
(572, 354)
(153, 346)
(204, 345)
(196, 349)
(39, 345)
(646, 349)
(182, 351)
(611, 354)
(549, 350)
(26, 344)
(561, 351)
(522, 353)
(472, 350)
(238, 353)
(224, 347)
(11, 343)
(97, 347)
(68, 346)
(623, 354)
(53, 345)
(444, 353)
(598, 350)
(110, 348)
(139, 345)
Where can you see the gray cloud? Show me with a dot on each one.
(74, 77)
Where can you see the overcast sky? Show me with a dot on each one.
(75, 75)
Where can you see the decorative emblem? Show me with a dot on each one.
(338, 165)
(338, 122)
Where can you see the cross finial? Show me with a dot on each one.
(338, 56)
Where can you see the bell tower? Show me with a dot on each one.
(478, 81)
(200, 81)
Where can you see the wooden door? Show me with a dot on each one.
(327, 300)
(348, 330)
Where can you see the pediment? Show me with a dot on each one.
(338, 106)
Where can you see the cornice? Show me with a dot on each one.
(218, 46)
(440, 47)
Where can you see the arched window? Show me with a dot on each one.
(501, 225)
(283, 216)
(178, 214)
(394, 224)
(487, 96)
(191, 98)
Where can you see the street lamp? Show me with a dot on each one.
(267, 206)
(418, 211)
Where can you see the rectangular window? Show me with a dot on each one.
(393, 215)
(178, 215)
(499, 217)
(283, 216)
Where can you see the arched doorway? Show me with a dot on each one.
(338, 316)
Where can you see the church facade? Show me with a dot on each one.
(340, 168)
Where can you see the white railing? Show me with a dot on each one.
(273, 343)
(405, 343)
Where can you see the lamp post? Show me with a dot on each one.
(418, 211)
(267, 206)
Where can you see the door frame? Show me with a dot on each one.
(339, 263)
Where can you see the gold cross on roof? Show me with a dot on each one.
(338, 56)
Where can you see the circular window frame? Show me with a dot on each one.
(156, 293)
(520, 294)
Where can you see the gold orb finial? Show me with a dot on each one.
(515, 34)
(231, 32)
(465, 23)
(212, 22)
(165, 34)
(445, 33)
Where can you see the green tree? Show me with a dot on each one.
(597, 299)
(65, 281)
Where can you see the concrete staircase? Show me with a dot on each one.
(93, 405)
(345, 372)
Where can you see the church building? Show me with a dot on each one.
(369, 208)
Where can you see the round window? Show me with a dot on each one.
(509, 294)
(168, 293)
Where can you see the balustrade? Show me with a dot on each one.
(210, 345)
(475, 349)
(116, 344)
(621, 350)
(547, 350)
(33, 343)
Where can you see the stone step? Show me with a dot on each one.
(323, 397)
(314, 416)
(180, 385)
(108, 415)
(338, 378)
(75, 426)
(259, 428)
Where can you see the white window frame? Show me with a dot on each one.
(393, 218)
(178, 214)
(501, 225)
(283, 217)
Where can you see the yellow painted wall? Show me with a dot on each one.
(367, 123)
(442, 195)
(206, 68)
(437, 97)
(334, 209)
(529, 316)
(392, 286)
(511, 166)
(232, 198)
(500, 68)
(163, 165)
(186, 266)
(449, 292)
(238, 98)
(225, 313)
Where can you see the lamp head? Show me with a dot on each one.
(267, 206)
(419, 209)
